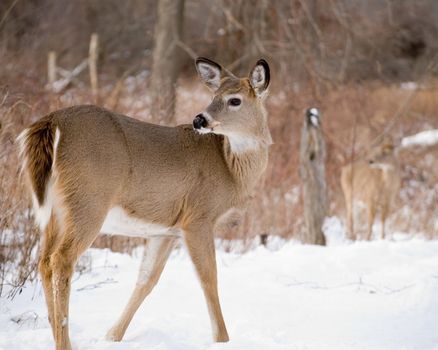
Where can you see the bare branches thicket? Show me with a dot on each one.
(18, 236)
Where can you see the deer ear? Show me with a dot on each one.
(259, 77)
(210, 72)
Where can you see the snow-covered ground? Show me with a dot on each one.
(364, 295)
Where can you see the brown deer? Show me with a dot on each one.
(374, 181)
(90, 170)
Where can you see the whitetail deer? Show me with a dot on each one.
(91, 170)
(373, 181)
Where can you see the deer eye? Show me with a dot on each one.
(234, 102)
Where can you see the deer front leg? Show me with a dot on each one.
(350, 227)
(349, 206)
(200, 244)
(155, 255)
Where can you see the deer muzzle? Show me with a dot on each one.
(200, 122)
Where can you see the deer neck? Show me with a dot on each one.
(246, 162)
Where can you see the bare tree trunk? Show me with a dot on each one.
(246, 28)
(166, 62)
(51, 68)
(312, 173)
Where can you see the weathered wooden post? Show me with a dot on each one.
(312, 174)
(92, 63)
(51, 68)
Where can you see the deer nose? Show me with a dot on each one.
(200, 122)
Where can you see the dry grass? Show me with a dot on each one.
(18, 237)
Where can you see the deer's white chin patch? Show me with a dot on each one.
(204, 130)
(242, 144)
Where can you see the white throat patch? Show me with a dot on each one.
(242, 144)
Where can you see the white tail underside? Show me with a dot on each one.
(43, 212)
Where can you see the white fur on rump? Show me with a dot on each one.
(42, 213)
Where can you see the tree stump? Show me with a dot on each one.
(312, 174)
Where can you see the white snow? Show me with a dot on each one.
(409, 85)
(364, 295)
(423, 138)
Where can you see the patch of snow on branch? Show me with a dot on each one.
(409, 85)
(423, 138)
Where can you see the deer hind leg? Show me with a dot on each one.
(349, 211)
(371, 211)
(384, 215)
(50, 237)
(350, 227)
(200, 245)
(155, 255)
(81, 226)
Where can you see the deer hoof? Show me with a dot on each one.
(114, 335)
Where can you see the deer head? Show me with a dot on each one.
(237, 110)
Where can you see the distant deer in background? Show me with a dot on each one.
(373, 181)
(90, 170)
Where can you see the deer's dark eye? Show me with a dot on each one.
(234, 102)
